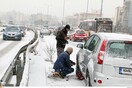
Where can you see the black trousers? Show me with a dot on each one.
(59, 50)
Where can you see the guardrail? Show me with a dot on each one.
(21, 72)
(25, 77)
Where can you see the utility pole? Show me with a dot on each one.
(87, 6)
(63, 12)
(47, 22)
(101, 8)
(87, 9)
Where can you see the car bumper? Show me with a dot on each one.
(111, 81)
(80, 38)
(12, 37)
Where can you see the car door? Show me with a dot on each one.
(83, 54)
(92, 49)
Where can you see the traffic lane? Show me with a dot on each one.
(10, 54)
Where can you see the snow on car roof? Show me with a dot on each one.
(115, 36)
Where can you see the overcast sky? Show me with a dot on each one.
(55, 7)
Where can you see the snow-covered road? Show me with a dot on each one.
(9, 49)
(40, 67)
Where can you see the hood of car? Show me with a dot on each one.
(11, 32)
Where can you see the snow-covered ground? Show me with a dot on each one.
(40, 67)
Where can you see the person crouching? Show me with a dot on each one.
(63, 64)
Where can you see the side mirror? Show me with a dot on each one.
(80, 46)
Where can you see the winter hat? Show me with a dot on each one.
(67, 26)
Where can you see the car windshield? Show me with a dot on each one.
(80, 32)
(12, 29)
(121, 49)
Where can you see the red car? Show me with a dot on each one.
(78, 35)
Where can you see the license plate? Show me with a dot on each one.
(80, 38)
(125, 71)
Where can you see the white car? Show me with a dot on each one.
(45, 31)
(106, 60)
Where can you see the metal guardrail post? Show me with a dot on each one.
(18, 71)
(24, 57)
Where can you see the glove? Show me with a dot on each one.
(72, 63)
(66, 42)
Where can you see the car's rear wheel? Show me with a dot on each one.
(78, 71)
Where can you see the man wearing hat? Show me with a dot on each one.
(61, 38)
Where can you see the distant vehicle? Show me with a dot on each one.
(23, 30)
(2, 28)
(45, 31)
(69, 33)
(78, 35)
(12, 32)
(57, 29)
(60, 28)
(106, 60)
(96, 25)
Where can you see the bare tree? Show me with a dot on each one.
(49, 51)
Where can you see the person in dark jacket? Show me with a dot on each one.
(61, 38)
(63, 64)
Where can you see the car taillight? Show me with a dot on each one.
(101, 52)
(85, 35)
(74, 35)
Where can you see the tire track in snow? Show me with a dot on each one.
(7, 47)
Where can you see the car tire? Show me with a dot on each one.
(20, 39)
(87, 80)
(78, 72)
(4, 39)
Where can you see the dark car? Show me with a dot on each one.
(12, 32)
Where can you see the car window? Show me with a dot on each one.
(88, 41)
(12, 29)
(80, 32)
(93, 43)
(120, 49)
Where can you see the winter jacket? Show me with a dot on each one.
(60, 37)
(63, 62)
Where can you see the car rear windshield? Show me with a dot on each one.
(80, 32)
(120, 49)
